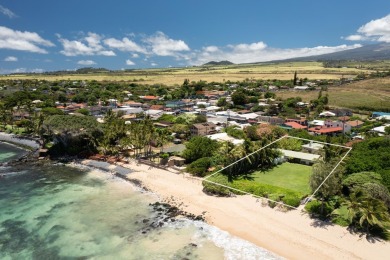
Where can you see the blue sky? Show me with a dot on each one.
(47, 35)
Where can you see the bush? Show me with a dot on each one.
(215, 189)
(314, 208)
(199, 167)
(291, 200)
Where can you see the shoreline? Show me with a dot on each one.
(292, 234)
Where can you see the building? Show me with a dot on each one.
(301, 88)
(312, 147)
(341, 112)
(224, 137)
(355, 123)
(294, 125)
(273, 120)
(304, 158)
(203, 129)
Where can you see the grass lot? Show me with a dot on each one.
(287, 175)
(288, 183)
(372, 94)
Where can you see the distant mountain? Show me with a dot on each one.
(216, 63)
(368, 53)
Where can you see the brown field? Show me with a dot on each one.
(372, 93)
(172, 76)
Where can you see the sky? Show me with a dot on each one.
(50, 35)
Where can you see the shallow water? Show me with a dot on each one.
(9, 152)
(60, 212)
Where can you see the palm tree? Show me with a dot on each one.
(366, 211)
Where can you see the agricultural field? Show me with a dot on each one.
(173, 76)
(371, 94)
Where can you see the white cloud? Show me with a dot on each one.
(161, 45)
(129, 63)
(375, 30)
(124, 45)
(153, 64)
(135, 55)
(86, 62)
(7, 12)
(258, 52)
(22, 41)
(21, 70)
(211, 49)
(87, 46)
(11, 58)
(257, 46)
(355, 37)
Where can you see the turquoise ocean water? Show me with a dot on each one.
(54, 211)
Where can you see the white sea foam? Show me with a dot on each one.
(234, 248)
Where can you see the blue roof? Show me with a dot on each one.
(380, 114)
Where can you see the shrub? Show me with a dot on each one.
(291, 200)
(199, 167)
(215, 189)
(315, 207)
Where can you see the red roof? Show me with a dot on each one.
(326, 130)
(295, 125)
(157, 107)
(150, 97)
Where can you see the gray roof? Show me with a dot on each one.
(300, 155)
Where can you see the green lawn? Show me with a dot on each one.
(287, 182)
(287, 175)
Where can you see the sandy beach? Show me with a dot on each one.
(291, 234)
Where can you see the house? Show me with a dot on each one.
(344, 118)
(379, 114)
(271, 120)
(301, 121)
(326, 130)
(157, 107)
(312, 147)
(154, 114)
(331, 128)
(203, 129)
(179, 104)
(129, 110)
(131, 103)
(330, 123)
(380, 130)
(149, 98)
(304, 158)
(224, 137)
(355, 123)
(327, 114)
(163, 124)
(218, 120)
(301, 88)
(317, 123)
(341, 112)
(294, 125)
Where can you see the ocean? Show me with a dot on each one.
(55, 211)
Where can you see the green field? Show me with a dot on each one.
(287, 175)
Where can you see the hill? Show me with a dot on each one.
(218, 63)
(365, 53)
